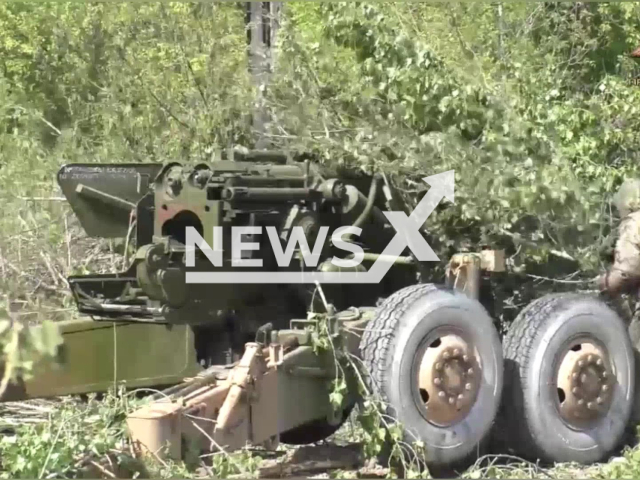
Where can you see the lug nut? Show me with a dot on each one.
(437, 381)
(575, 390)
(452, 400)
(590, 358)
(581, 363)
(574, 376)
(599, 362)
(591, 405)
(441, 394)
(456, 352)
(446, 355)
(467, 386)
(470, 371)
(580, 402)
(465, 358)
(599, 400)
(583, 377)
(460, 396)
(438, 366)
(605, 388)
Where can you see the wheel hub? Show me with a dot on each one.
(584, 382)
(448, 380)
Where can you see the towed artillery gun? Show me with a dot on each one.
(239, 358)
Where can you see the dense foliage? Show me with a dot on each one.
(529, 103)
(526, 102)
(104, 83)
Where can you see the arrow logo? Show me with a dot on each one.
(408, 235)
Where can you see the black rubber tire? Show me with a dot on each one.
(531, 349)
(389, 345)
(313, 432)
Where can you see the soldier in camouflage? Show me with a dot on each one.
(624, 274)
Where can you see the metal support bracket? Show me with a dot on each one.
(463, 270)
(268, 392)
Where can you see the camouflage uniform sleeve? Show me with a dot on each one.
(627, 253)
(624, 275)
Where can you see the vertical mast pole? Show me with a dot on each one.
(262, 20)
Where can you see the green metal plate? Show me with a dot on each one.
(97, 355)
(99, 194)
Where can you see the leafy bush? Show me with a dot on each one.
(104, 83)
(528, 103)
(76, 438)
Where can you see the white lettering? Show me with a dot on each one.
(283, 258)
(238, 247)
(358, 253)
(214, 254)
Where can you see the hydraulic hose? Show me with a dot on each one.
(371, 199)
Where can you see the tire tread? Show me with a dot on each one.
(378, 338)
(518, 352)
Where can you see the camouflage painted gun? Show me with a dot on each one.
(151, 205)
(431, 353)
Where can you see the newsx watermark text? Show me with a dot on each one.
(408, 235)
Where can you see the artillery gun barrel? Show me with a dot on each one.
(247, 180)
(258, 156)
(268, 194)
